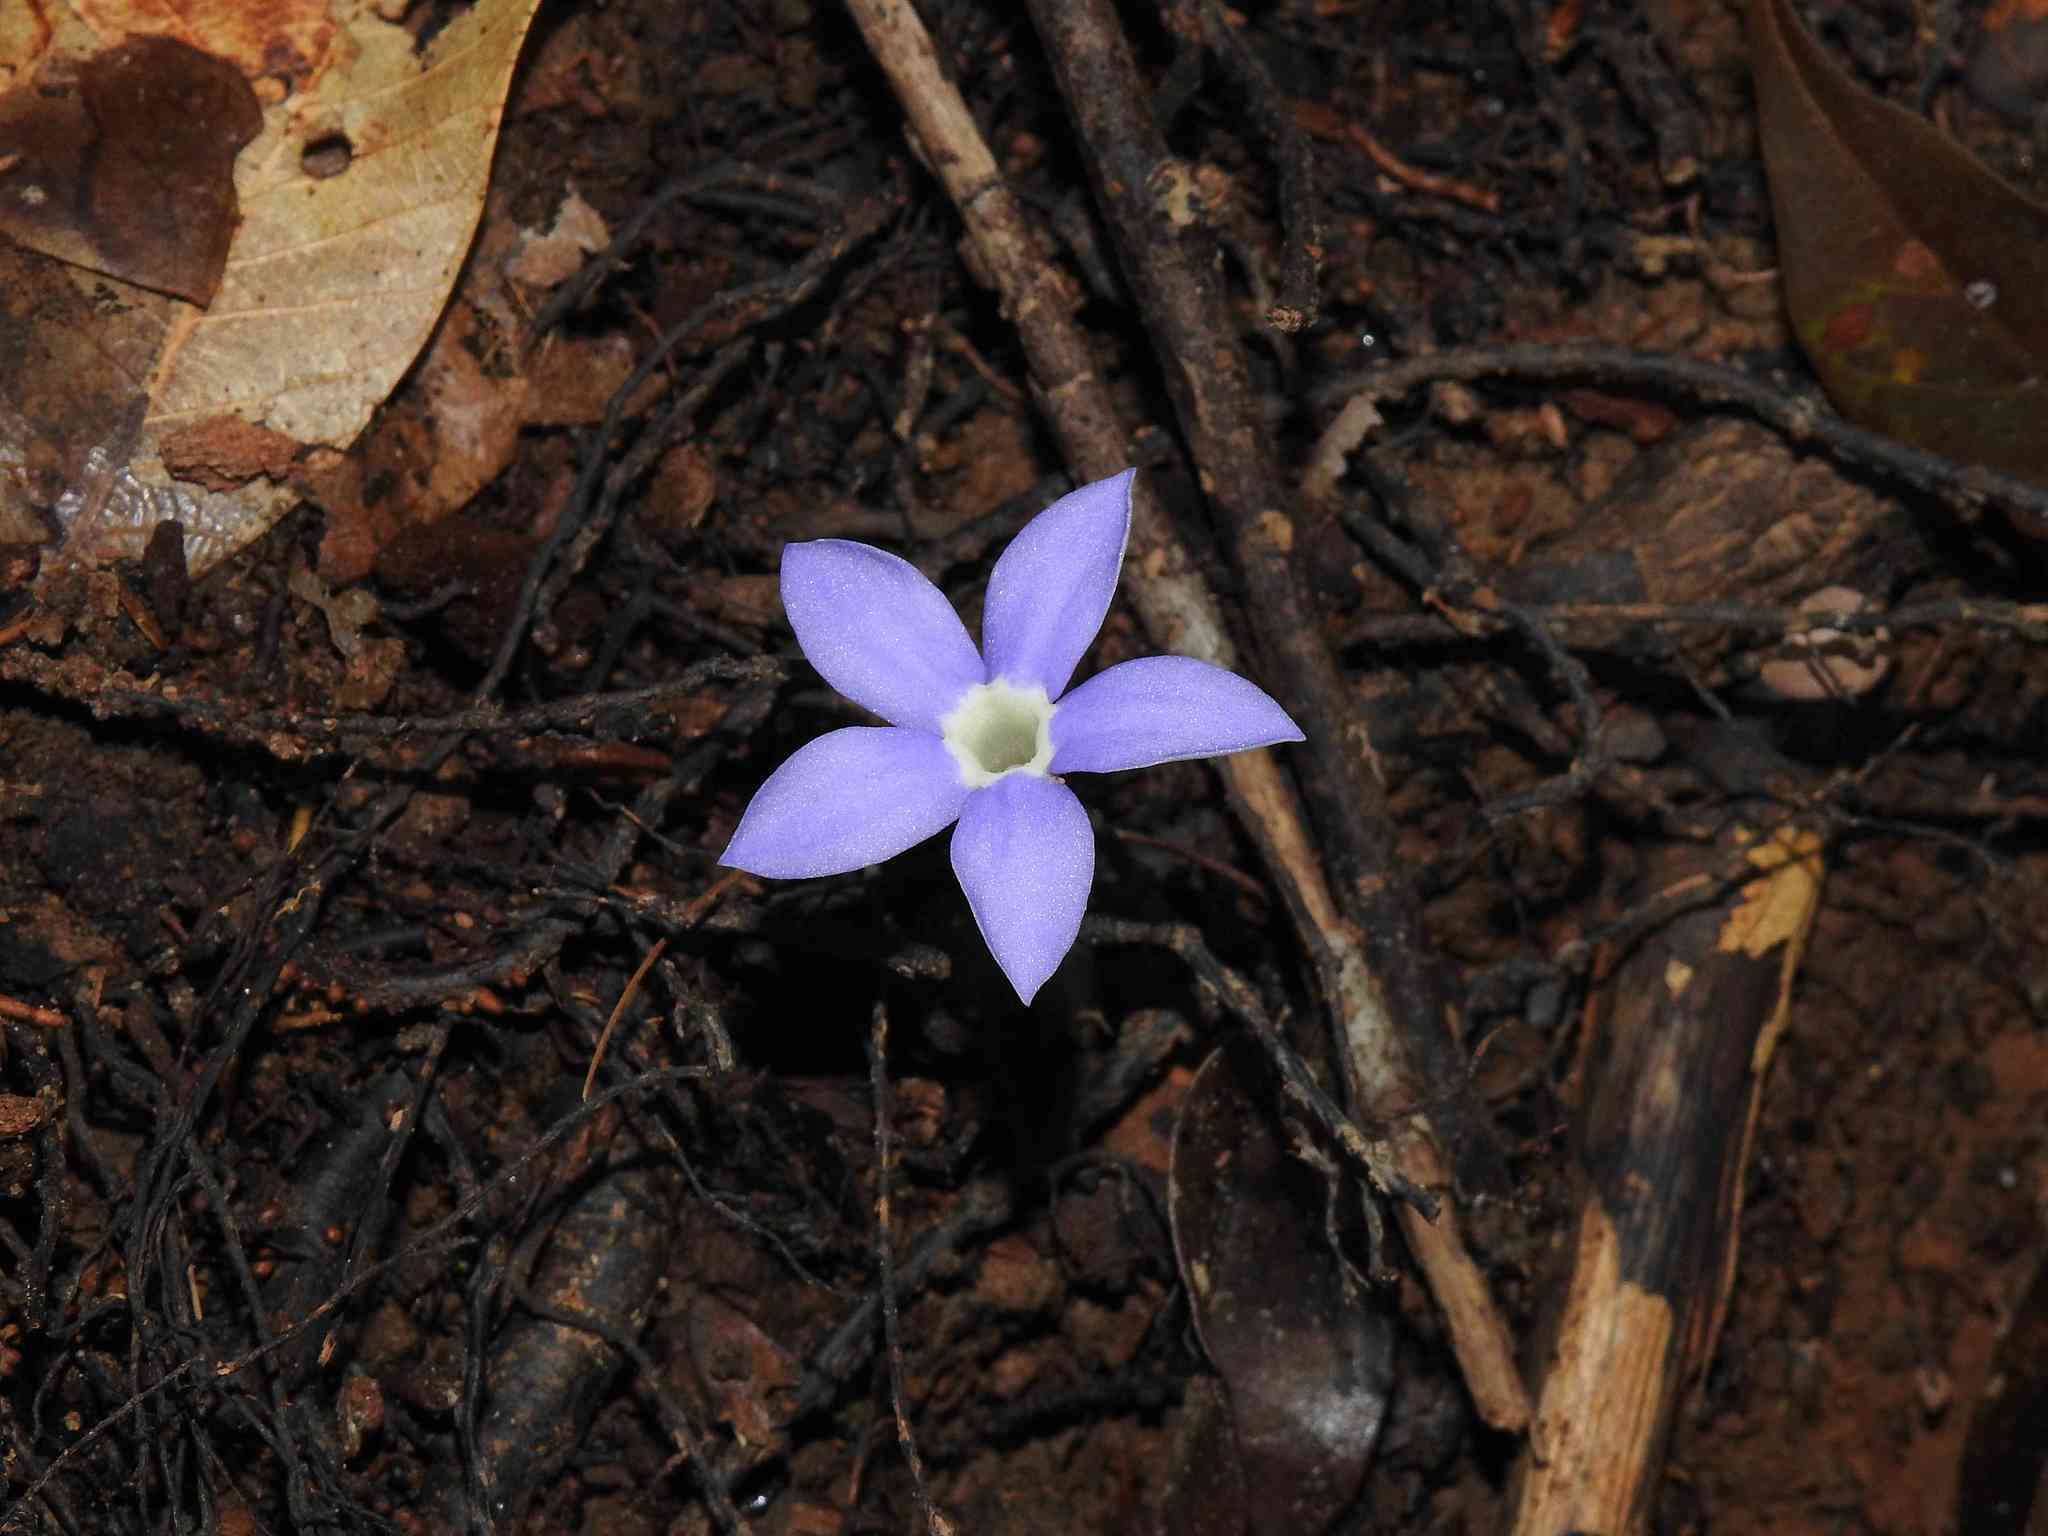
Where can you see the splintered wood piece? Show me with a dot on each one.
(1694, 1013)
(2003, 1489)
(1722, 513)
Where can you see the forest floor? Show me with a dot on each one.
(300, 1007)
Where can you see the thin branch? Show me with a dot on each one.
(1395, 1010)
(935, 1522)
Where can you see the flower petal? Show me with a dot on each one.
(853, 797)
(1159, 709)
(1025, 855)
(878, 631)
(1049, 591)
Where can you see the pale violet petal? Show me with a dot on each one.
(1159, 709)
(1051, 587)
(877, 630)
(1025, 855)
(853, 797)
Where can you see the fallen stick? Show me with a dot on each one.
(1376, 1014)
(1399, 1054)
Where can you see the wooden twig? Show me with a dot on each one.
(936, 1522)
(1326, 123)
(611, 1022)
(442, 1234)
(297, 736)
(1287, 145)
(1181, 614)
(30, 1013)
(1968, 490)
(1296, 1080)
(1397, 1050)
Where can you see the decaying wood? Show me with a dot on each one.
(1722, 512)
(2004, 1474)
(1674, 1069)
(1181, 614)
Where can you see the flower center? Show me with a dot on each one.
(999, 728)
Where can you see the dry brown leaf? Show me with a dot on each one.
(476, 394)
(1916, 279)
(287, 40)
(334, 283)
(334, 279)
(225, 452)
(547, 257)
(24, 38)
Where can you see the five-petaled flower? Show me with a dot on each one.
(977, 736)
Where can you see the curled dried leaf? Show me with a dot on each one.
(1305, 1355)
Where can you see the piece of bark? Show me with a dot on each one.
(1687, 1026)
(545, 1377)
(2003, 1486)
(1726, 512)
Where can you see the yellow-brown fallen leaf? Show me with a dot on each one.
(359, 199)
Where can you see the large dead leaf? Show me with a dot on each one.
(1306, 1358)
(1917, 280)
(358, 198)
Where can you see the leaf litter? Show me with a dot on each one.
(467, 964)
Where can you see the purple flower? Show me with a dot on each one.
(976, 736)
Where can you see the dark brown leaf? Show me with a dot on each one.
(1307, 1366)
(129, 169)
(1916, 280)
(1204, 1477)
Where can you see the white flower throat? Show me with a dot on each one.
(999, 728)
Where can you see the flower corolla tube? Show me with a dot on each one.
(981, 737)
